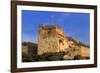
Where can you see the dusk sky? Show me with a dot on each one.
(75, 25)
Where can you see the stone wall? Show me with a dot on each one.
(25, 49)
(85, 51)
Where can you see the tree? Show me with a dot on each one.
(77, 57)
(25, 57)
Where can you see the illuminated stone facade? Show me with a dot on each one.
(51, 39)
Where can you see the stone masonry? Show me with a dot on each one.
(51, 39)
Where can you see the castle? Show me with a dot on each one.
(51, 38)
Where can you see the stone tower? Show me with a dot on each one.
(51, 38)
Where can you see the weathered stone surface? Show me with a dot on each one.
(51, 39)
(25, 49)
(85, 52)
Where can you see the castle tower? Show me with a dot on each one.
(51, 38)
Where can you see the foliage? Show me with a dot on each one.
(44, 57)
(77, 42)
(77, 57)
(25, 58)
(56, 56)
(30, 44)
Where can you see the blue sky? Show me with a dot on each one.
(76, 25)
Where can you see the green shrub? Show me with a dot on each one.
(50, 56)
(77, 57)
